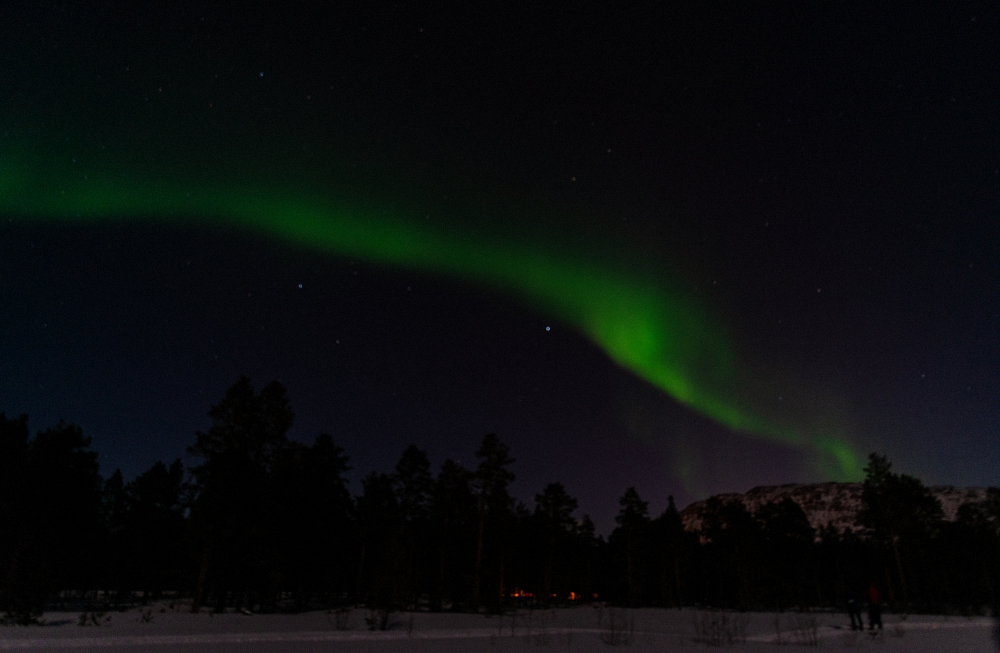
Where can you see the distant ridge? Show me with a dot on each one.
(828, 503)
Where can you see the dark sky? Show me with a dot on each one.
(825, 177)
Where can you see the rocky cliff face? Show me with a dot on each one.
(828, 503)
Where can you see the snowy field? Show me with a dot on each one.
(575, 629)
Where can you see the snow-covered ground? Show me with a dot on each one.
(574, 629)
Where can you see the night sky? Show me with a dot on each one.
(690, 247)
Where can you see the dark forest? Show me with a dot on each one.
(266, 524)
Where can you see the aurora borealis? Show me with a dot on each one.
(637, 252)
(663, 337)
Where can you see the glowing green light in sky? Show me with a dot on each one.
(661, 335)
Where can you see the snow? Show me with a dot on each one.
(582, 630)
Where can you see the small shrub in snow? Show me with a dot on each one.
(378, 619)
(620, 629)
(21, 618)
(93, 617)
(718, 627)
(803, 630)
(341, 618)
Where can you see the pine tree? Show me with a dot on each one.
(554, 508)
(899, 511)
(491, 479)
(631, 536)
(234, 507)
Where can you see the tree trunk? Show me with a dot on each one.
(439, 600)
(199, 592)
(631, 571)
(549, 562)
(899, 568)
(888, 584)
(677, 579)
(479, 551)
(501, 589)
(361, 571)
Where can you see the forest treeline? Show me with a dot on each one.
(265, 523)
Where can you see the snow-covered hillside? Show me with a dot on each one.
(828, 503)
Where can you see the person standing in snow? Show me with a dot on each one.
(874, 607)
(854, 609)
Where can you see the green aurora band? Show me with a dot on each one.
(663, 336)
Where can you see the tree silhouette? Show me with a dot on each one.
(490, 482)
(589, 549)
(317, 520)
(233, 506)
(51, 519)
(379, 560)
(788, 542)
(23, 587)
(414, 486)
(155, 521)
(147, 530)
(631, 539)
(454, 519)
(672, 543)
(554, 510)
(269, 524)
(734, 542)
(899, 511)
